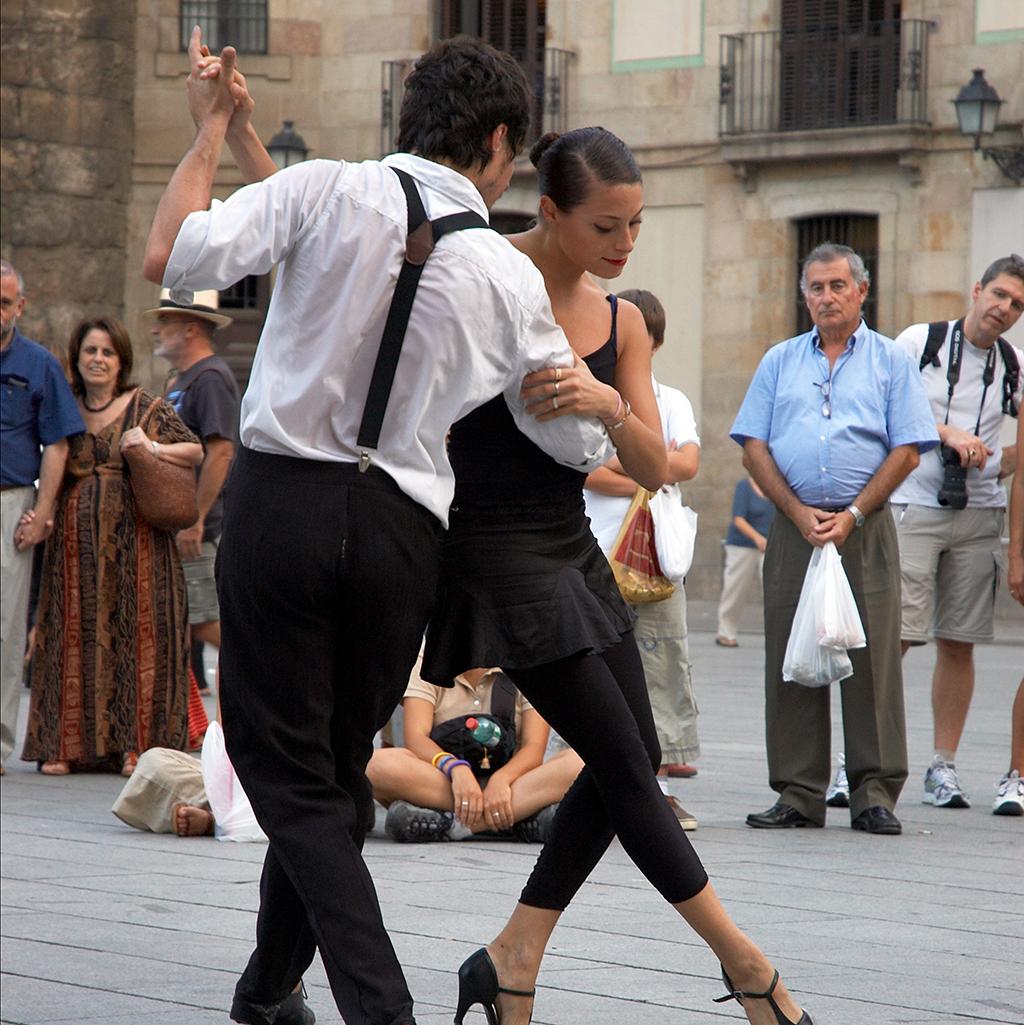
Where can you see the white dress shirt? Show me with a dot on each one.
(607, 512)
(336, 231)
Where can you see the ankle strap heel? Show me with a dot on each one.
(738, 995)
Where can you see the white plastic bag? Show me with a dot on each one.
(232, 812)
(807, 660)
(839, 624)
(675, 531)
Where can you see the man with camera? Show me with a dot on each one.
(950, 511)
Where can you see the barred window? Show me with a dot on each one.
(860, 233)
(238, 23)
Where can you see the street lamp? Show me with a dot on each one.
(977, 111)
(287, 147)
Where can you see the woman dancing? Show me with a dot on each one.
(526, 587)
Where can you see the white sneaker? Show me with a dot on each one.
(1009, 795)
(942, 786)
(838, 793)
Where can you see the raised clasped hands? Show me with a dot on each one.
(559, 391)
(215, 87)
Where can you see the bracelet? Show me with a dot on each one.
(618, 410)
(156, 449)
(625, 417)
(449, 767)
(439, 756)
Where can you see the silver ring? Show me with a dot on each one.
(556, 385)
(554, 402)
(465, 804)
(497, 815)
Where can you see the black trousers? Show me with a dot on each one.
(326, 579)
(600, 706)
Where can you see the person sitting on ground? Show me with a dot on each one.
(443, 784)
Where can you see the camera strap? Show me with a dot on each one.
(956, 352)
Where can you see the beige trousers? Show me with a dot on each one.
(743, 568)
(163, 779)
(15, 578)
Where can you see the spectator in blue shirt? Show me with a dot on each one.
(37, 413)
(833, 421)
(745, 542)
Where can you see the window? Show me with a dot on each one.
(515, 26)
(244, 294)
(840, 63)
(238, 23)
(860, 233)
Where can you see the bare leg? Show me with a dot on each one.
(746, 966)
(952, 689)
(544, 785)
(518, 949)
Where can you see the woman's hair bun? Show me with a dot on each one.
(540, 147)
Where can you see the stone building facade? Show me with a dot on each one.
(67, 108)
(757, 123)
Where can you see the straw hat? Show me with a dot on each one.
(204, 307)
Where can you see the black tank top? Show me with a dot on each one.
(497, 465)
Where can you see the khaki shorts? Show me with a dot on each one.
(951, 562)
(202, 589)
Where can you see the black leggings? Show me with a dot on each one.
(599, 705)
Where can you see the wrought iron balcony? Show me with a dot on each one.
(827, 78)
(552, 103)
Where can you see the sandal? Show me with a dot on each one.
(738, 995)
(55, 768)
(726, 642)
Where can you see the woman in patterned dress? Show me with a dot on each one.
(110, 668)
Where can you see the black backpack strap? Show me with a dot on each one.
(1011, 377)
(936, 336)
(503, 699)
(422, 235)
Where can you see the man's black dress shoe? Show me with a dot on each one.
(877, 820)
(780, 816)
(293, 1010)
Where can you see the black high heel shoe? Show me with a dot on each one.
(478, 984)
(738, 995)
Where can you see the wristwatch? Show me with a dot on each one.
(858, 516)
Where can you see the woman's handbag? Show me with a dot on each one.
(165, 494)
(634, 556)
(675, 531)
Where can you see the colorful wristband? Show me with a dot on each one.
(449, 767)
(437, 758)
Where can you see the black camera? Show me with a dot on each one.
(954, 480)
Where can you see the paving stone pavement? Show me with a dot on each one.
(102, 925)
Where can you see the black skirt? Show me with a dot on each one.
(521, 588)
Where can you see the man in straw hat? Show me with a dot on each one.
(329, 562)
(204, 394)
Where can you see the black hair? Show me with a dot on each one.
(1012, 265)
(457, 93)
(568, 164)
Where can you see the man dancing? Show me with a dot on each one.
(327, 569)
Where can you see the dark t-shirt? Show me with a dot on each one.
(206, 398)
(757, 511)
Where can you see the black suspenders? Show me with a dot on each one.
(422, 236)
